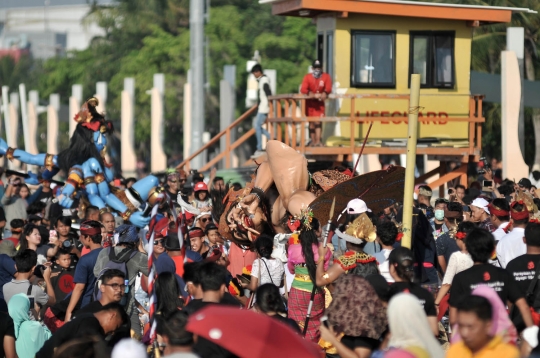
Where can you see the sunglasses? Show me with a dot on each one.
(205, 220)
(158, 242)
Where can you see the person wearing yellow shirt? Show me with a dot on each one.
(474, 321)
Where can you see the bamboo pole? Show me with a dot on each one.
(411, 160)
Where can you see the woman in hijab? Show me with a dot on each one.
(30, 335)
(501, 324)
(359, 314)
(409, 328)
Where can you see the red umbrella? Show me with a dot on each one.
(250, 334)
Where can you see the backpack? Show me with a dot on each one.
(116, 262)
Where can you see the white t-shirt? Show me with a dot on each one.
(511, 246)
(384, 266)
(275, 267)
(499, 233)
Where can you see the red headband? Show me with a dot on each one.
(89, 230)
(519, 215)
(196, 233)
(497, 211)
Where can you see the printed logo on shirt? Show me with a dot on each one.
(65, 283)
(524, 275)
(487, 277)
(497, 286)
(530, 265)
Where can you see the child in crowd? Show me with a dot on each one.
(62, 275)
(202, 198)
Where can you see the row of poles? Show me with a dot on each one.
(30, 109)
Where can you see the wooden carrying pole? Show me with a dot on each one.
(411, 160)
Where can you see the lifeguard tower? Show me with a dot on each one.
(370, 48)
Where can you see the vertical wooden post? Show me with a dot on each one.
(411, 161)
(228, 148)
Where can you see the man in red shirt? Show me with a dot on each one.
(318, 85)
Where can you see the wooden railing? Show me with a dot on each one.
(229, 147)
(288, 123)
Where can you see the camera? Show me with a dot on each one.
(486, 165)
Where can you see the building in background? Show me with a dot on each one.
(46, 28)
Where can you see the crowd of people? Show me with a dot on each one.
(79, 283)
(188, 266)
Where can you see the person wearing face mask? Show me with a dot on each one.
(317, 85)
(437, 222)
(446, 245)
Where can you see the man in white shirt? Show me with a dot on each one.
(387, 233)
(511, 245)
(264, 107)
(499, 210)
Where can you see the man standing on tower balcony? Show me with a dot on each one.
(319, 85)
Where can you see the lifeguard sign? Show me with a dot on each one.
(370, 48)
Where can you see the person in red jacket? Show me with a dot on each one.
(317, 84)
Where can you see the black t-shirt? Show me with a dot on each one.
(423, 295)
(485, 274)
(44, 196)
(522, 269)
(6, 329)
(84, 326)
(92, 307)
(62, 283)
(197, 304)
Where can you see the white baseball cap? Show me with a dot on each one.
(481, 203)
(356, 206)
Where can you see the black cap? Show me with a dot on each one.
(316, 64)
(210, 227)
(526, 183)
